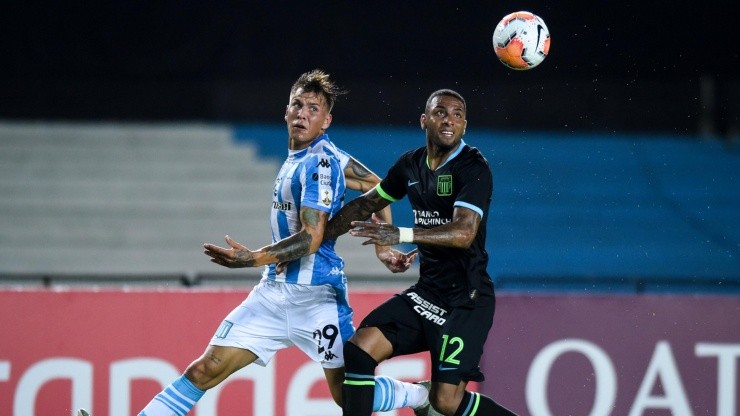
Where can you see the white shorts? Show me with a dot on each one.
(277, 315)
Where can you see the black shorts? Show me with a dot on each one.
(414, 322)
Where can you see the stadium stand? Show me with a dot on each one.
(129, 203)
(109, 203)
(591, 212)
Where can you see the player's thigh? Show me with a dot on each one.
(258, 324)
(459, 344)
(319, 324)
(399, 323)
(374, 342)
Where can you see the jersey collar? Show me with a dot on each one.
(295, 154)
(451, 156)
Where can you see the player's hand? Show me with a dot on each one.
(394, 260)
(280, 267)
(234, 257)
(376, 231)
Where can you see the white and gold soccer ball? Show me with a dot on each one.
(521, 40)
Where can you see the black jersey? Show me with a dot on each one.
(457, 276)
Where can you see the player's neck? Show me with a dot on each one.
(437, 156)
(296, 145)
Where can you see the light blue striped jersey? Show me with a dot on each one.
(312, 177)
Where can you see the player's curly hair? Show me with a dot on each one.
(319, 82)
(448, 92)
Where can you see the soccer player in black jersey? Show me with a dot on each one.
(449, 311)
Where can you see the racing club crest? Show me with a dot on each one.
(327, 198)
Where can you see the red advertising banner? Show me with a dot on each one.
(112, 351)
(615, 355)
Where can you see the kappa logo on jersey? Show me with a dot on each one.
(427, 309)
(444, 185)
(323, 163)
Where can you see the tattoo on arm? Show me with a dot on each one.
(299, 244)
(246, 258)
(358, 169)
(358, 209)
(310, 217)
(291, 248)
(459, 233)
(359, 177)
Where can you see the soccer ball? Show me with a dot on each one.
(521, 40)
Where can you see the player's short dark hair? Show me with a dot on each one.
(448, 92)
(319, 82)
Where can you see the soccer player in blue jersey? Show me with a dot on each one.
(304, 301)
(449, 311)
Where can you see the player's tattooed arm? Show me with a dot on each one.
(359, 209)
(459, 233)
(358, 177)
(302, 243)
(291, 248)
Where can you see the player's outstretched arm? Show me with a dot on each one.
(458, 233)
(302, 243)
(359, 208)
(360, 178)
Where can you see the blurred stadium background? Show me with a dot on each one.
(125, 121)
(133, 132)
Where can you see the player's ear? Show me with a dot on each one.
(422, 119)
(327, 122)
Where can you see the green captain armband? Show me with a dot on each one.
(383, 194)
